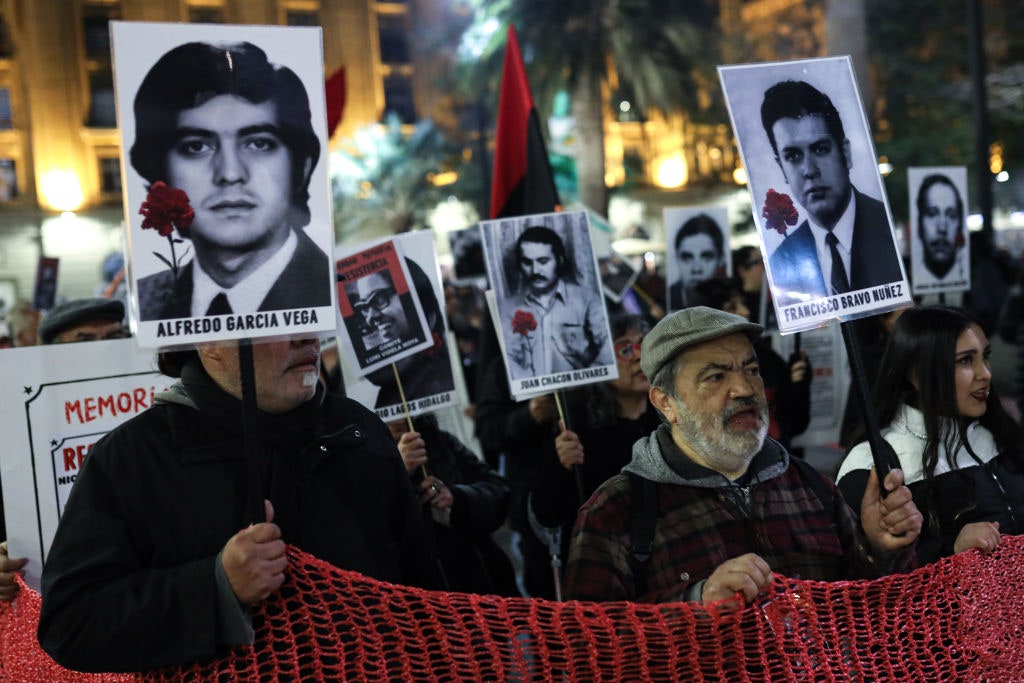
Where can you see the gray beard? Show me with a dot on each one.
(725, 450)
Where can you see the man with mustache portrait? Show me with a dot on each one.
(722, 506)
(940, 224)
(570, 328)
(233, 131)
(845, 243)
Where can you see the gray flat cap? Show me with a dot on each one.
(70, 313)
(679, 331)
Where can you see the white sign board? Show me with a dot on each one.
(940, 246)
(59, 401)
(550, 313)
(227, 198)
(697, 249)
(427, 377)
(824, 221)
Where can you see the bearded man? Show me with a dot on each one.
(729, 507)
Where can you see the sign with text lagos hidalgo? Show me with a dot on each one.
(824, 222)
(58, 401)
(227, 198)
(428, 376)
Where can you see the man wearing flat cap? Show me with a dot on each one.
(83, 320)
(727, 506)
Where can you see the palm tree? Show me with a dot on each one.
(385, 181)
(655, 49)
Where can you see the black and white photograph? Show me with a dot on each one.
(226, 191)
(427, 377)
(552, 321)
(381, 313)
(816, 192)
(617, 275)
(940, 248)
(697, 250)
(467, 249)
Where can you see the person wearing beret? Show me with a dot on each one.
(730, 506)
(81, 320)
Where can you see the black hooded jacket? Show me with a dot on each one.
(130, 582)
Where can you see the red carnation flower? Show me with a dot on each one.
(778, 212)
(523, 322)
(165, 209)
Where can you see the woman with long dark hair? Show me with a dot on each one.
(959, 450)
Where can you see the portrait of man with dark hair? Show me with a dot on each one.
(233, 131)
(559, 325)
(845, 242)
(380, 310)
(467, 254)
(699, 254)
(428, 372)
(939, 244)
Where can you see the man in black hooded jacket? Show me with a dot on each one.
(153, 563)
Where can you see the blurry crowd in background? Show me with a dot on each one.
(539, 461)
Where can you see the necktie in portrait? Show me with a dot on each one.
(840, 283)
(219, 305)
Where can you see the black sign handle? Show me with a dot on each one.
(882, 452)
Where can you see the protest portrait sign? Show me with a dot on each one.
(818, 199)
(617, 275)
(61, 399)
(549, 312)
(467, 255)
(223, 142)
(383, 320)
(428, 376)
(697, 249)
(940, 248)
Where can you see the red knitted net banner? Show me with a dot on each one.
(959, 619)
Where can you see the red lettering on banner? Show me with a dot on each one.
(140, 399)
(72, 407)
(92, 408)
(75, 456)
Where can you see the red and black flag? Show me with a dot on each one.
(334, 93)
(523, 180)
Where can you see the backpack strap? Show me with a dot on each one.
(816, 482)
(643, 517)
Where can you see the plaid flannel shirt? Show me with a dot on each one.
(698, 528)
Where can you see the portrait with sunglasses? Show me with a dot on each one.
(382, 315)
(379, 309)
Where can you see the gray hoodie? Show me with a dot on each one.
(656, 457)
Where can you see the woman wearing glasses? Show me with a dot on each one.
(959, 450)
(605, 420)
